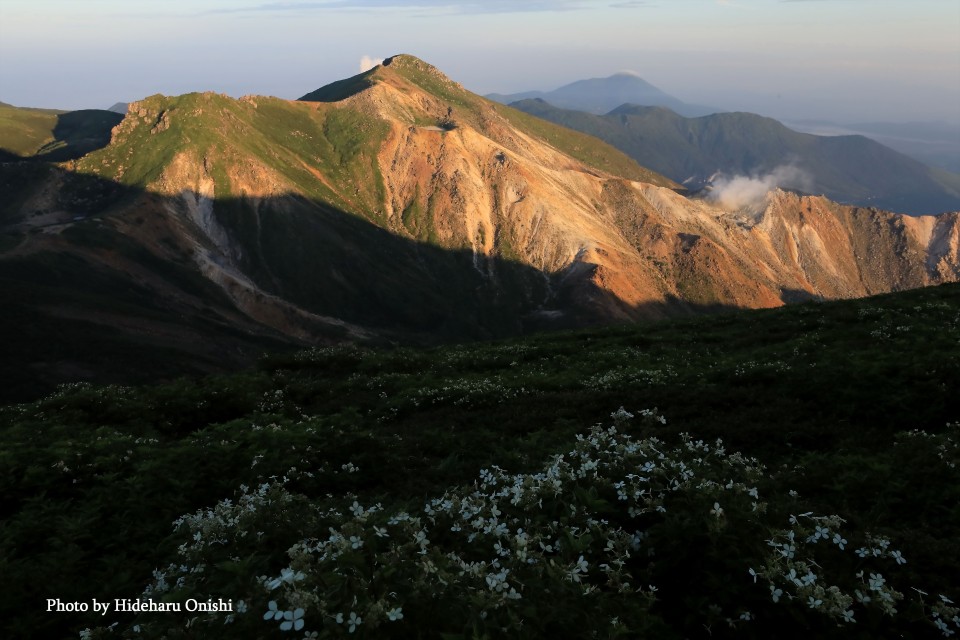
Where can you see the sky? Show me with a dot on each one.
(839, 60)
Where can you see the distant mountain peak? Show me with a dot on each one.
(601, 95)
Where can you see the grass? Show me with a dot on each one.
(91, 478)
(25, 131)
(53, 135)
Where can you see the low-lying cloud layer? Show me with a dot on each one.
(750, 192)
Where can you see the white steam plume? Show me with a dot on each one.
(367, 63)
(750, 192)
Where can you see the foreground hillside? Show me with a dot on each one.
(850, 168)
(401, 493)
(393, 206)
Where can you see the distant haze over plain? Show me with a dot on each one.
(838, 60)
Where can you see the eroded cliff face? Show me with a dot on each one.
(621, 249)
(617, 248)
(411, 207)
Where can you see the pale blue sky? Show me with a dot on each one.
(844, 60)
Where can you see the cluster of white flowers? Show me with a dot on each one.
(272, 401)
(623, 377)
(315, 355)
(486, 545)
(467, 392)
(752, 365)
(799, 553)
(947, 443)
(582, 526)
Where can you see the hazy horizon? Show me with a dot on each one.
(837, 60)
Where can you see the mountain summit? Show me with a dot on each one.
(393, 205)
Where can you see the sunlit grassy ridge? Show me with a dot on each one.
(295, 141)
(823, 395)
(25, 131)
(51, 134)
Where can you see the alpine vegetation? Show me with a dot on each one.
(607, 536)
(797, 479)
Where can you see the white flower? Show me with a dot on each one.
(717, 510)
(286, 575)
(354, 621)
(754, 574)
(899, 558)
(395, 614)
(355, 542)
(839, 540)
(848, 616)
(775, 593)
(581, 565)
(338, 618)
(942, 626)
(272, 611)
(292, 620)
(876, 581)
(814, 603)
(241, 606)
(945, 599)
(381, 533)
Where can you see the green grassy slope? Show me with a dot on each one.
(53, 135)
(279, 135)
(851, 169)
(823, 394)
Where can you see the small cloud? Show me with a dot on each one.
(367, 63)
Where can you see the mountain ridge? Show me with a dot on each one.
(406, 209)
(851, 169)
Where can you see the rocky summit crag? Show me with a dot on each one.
(394, 205)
